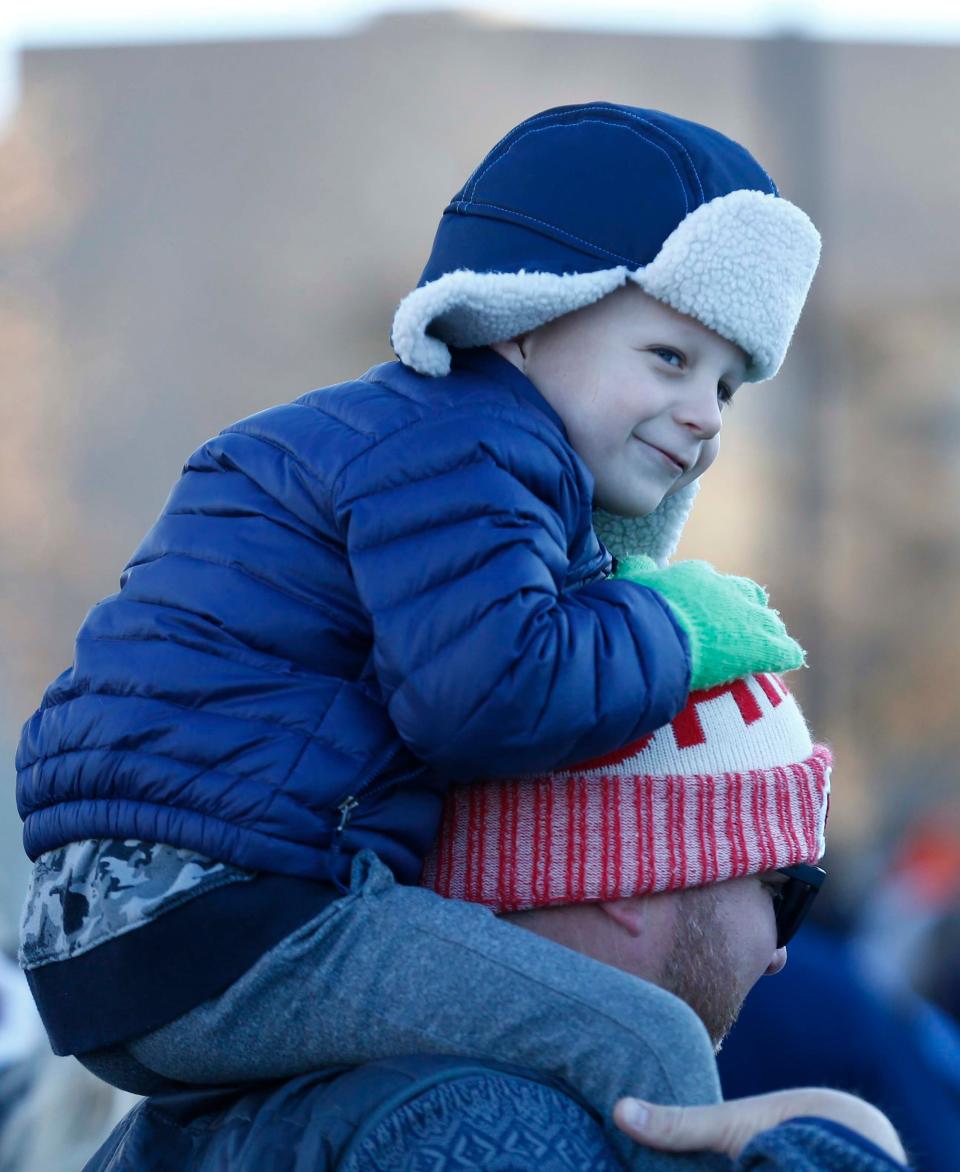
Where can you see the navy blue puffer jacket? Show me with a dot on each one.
(348, 602)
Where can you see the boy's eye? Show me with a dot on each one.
(671, 357)
(724, 394)
(774, 889)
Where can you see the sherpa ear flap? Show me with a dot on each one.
(466, 309)
(742, 266)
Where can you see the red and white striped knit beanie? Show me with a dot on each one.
(732, 786)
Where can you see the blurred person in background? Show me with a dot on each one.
(825, 1023)
(905, 936)
(879, 979)
(351, 601)
(942, 983)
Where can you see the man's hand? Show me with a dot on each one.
(729, 1127)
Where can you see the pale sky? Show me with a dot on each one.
(46, 22)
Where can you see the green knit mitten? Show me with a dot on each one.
(732, 630)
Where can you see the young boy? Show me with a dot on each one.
(352, 600)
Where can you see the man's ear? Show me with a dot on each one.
(627, 914)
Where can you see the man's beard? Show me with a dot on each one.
(699, 969)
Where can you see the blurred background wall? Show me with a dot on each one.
(192, 232)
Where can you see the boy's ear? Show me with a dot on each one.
(514, 350)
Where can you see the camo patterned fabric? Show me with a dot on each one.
(89, 892)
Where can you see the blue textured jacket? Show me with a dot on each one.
(419, 1112)
(348, 602)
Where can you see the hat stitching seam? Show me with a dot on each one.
(555, 228)
(552, 115)
(555, 116)
(677, 143)
(484, 171)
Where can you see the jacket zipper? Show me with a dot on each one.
(346, 808)
(364, 791)
(351, 801)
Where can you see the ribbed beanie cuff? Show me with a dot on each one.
(732, 786)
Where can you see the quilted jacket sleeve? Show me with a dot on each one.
(459, 531)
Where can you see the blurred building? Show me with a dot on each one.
(192, 232)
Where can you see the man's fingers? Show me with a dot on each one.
(714, 1128)
(728, 1127)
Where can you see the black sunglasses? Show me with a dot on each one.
(793, 899)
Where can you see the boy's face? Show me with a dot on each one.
(640, 389)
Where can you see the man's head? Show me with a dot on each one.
(706, 945)
(663, 859)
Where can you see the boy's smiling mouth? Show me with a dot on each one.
(679, 466)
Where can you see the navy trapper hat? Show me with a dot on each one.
(576, 201)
